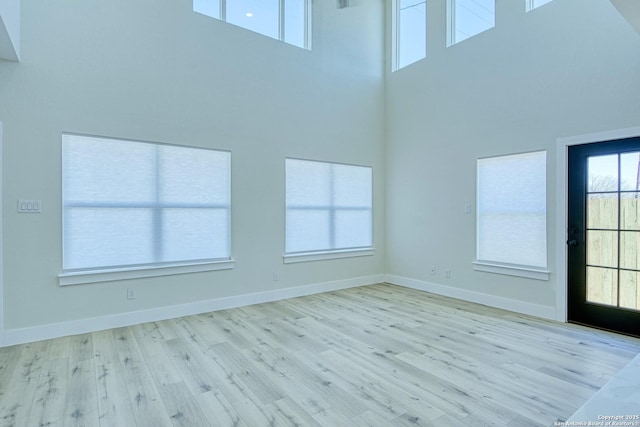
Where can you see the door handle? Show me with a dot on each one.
(572, 243)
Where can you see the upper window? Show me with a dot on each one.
(466, 18)
(129, 203)
(285, 20)
(512, 210)
(410, 32)
(532, 4)
(328, 207)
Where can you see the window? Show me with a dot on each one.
(512, 213)
(410, 20)
(532, 4)
(328, 207)
(285, 20)
(466, 18)
(134, 204)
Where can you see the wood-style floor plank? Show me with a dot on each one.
(19, 395)
(369, 356)
(115, 407)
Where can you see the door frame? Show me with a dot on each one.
(562, 205)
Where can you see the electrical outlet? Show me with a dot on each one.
(447, 274)
(275, 277)
(433, 271)
(131, 293)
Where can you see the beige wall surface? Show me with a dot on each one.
(157, 71)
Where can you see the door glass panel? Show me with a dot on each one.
(602, 248)
(629, 250)
(603, 236)
(630, 171)
(630, 214)
(629, 290)
(602, 211)
(602, 286)
(603, 173)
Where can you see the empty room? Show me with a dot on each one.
(319, 213)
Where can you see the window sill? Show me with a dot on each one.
(323, 255)
(512, 270)
(96, 276)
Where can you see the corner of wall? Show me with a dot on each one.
(522, 307)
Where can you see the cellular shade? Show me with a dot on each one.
(328, 206)
(129, 203)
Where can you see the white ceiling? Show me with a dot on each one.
(630, 9)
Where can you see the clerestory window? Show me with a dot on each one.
(285, 20)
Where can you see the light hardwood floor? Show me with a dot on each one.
(378, 355)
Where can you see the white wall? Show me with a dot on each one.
(160, 72)
(157, 71)
(10, 30)
(570, 67)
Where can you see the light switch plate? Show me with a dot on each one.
(29, 206)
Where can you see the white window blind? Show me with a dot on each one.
(512, 209)
(328, 206)
(129, 203)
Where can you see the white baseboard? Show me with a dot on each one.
(522, 307)
(56, 330)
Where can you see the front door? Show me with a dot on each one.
(603, 237)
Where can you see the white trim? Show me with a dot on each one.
(512, 270)
(530, 5)
(395, 36)
(497, 267)
(81, 326)
(562, 208)
(109, 275)
(222, 16)
(319, 256)
(537, 310)
(451, 23)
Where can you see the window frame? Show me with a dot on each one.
(222, 16)
(330, 253)
(500, 267)
(72, 276)
(396, 26)
(451, 24)
(531, 5)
